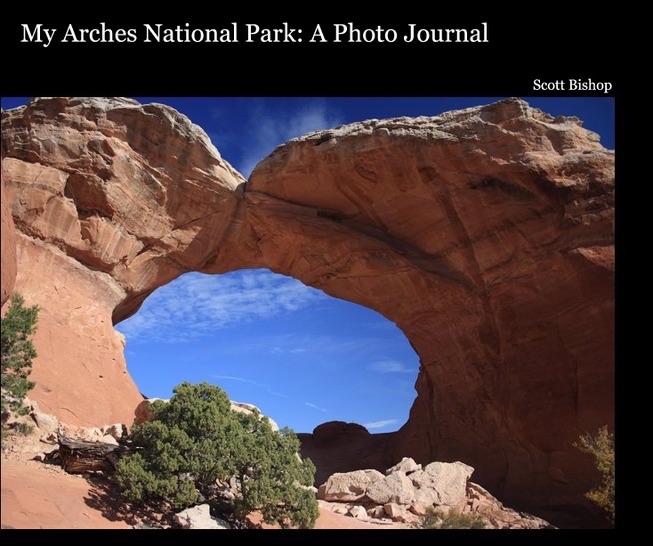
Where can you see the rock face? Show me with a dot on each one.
(337, 446)
(106, 196)
(8, 273)
(485, 234)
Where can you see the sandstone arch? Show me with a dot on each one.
(486, 234)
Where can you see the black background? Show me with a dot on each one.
(524, 45)
(529, 42)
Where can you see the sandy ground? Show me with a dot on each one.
(36, 495)
(39, 496)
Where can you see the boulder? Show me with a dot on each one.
(395, 488)
(108, 439)
(321, 491)
(242, 407)
(448, 482)
(143, 411)
(349, 486)
(116, 431)
(47, 424)
(199, 517)
(425, 499)
(88, 434)
(376, 512)
(395, 511)
(358, 512)
(406, 465)
(482, 503)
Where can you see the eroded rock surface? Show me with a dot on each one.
(439, 489)
(110, 199)
(485, 234)
(348, 486)
(8, 245)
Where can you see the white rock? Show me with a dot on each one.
(33, 405)
(199, 517)
(406, 465)
(447, 480)
(358, 512)
(243, 407)
(90, 434)
(425, 498)
(109, 440)
(395, 511)
(395, 488)
(376, 512)
(349, 486)
(116, 431)
(144, 413)
(46, 423)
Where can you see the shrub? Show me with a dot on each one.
(196, 442)
(601, 447)
(451, 520)
(17, 350)
(22, 428)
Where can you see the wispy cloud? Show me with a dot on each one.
(196, 305)
(315, 406)
(292, 351)
(274, 128)
(389, 366)
(267, 388)
(324, 344)
(380, 424)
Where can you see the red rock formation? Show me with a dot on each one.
(8, 272)
(111, 199)
(486, 235)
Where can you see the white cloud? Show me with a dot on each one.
(310, 344)
(274, 128)
(380, 424)
(389, 366)
(292, 351)
(267, 388)
(314, 406)
(196, 305)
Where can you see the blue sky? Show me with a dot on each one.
(301, 356)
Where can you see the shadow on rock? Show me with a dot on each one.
(104, 496)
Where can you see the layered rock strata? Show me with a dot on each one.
(486, 235)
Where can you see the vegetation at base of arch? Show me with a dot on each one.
(453, 519)
(601, 447)
(17, 350)
(197, 450)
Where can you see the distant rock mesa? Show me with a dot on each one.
(486, 235)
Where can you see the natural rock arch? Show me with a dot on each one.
(486, 235)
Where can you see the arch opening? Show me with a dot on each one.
(303, 357)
